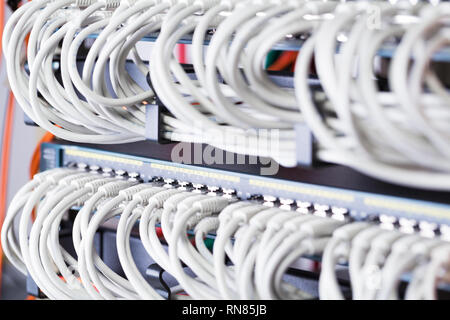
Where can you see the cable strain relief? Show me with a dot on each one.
(81, 183)
(66, 14)
(212, 205)
(112, 189)
(144, 195)
(384, 241)
(364, 238)
(128, 193)
(207, 225)
(158, 18)
(114, 4)
(42, 176)
(245, 214)
(194, 220)
(205, 4)
(187, 203)
(161, 197)
(260, 220)
(299, 223)
(96, 184)
(277, 222)
(56, 178)
(84, 3)
(106, 14)
(349, 231)
(226, 213)
(66, 181)
(172, 202)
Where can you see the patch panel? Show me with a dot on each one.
(429, 218)
(292, 43)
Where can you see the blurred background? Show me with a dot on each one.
(21, 140)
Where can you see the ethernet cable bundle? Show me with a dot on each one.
(259, 243)
(399, 135)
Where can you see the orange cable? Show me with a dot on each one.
(4, 170)
(285, 59)
(5, 152)
(36, 159)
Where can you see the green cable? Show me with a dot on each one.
(271, 57)
(209, 243)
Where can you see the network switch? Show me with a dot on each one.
(432, 218)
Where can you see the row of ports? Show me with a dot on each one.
(388, 222)
(406, 225)
(163, 181)
(303, 207)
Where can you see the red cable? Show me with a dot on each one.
(6, 144)
(182, 53)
